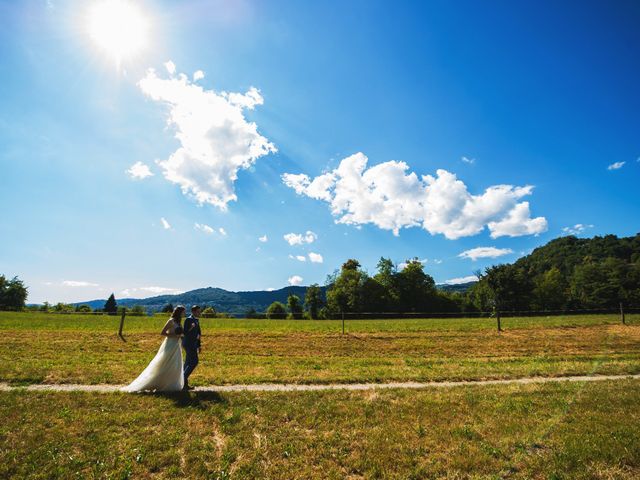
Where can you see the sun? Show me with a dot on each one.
(119, 28)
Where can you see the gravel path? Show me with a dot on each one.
(267, 387)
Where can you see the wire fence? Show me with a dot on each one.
(491, 316)
(622, 310)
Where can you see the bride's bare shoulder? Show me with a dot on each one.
(168, 326)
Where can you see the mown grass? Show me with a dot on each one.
(51, 348)
(560, 431)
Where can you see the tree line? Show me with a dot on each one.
(568, 273)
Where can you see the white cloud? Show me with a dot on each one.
(160, 290)
(295, 280)
(170, 66)
(198, 75)
(166, 225)
(263, 238)
(216, 140)
(459, 280)
(315, 257)
(75, 283)
(300, 258)
(468, 160)
(390, 198)
(616, 166)
(204, 228)
(139, 171)
(151, 290)
(485, 252)
(299, 238)
(270, 289)
(577, 229)
(517, 223)
(437, 261)
(222, 231)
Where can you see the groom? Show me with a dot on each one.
(191, 344)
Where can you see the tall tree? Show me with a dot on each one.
(111, 306)
(550, 291)
(345, 294)
(599, 284)
(511, 287)
(387, 277)
(13, 293)
(295, 306)
(313, 300)
(417, 289)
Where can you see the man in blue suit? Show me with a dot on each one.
(191, 344)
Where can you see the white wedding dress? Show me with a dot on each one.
(164, 372)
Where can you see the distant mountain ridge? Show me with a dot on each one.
(235, 303)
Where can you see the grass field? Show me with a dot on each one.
(546, 431)
(550, 431)
(49, 348)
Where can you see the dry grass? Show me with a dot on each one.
(572, 431)
(63, 349)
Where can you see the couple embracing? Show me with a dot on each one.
(167, 372)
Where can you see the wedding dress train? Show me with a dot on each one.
(164, 372)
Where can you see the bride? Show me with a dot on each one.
(164, 372)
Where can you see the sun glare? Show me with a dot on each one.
(119, 28)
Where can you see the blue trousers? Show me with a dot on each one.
(190, 363)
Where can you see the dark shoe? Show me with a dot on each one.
(186, 388)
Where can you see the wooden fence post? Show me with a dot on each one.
(622, 314)
(343, 322)
(498, 320)
(124, 312)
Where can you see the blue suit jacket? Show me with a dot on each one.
(192, 332)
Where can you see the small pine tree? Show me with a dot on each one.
(110, 306)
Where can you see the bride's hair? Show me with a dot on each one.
(177, 313)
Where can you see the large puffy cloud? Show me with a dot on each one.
(216, 140)
(390, 197)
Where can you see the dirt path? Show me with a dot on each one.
(4, 387)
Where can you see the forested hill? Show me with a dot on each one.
(566, 253)
(236, 303)
(566, 273)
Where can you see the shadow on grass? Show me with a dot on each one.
(25, 381)
(192, 399)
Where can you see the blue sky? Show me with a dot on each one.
(382, 102)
